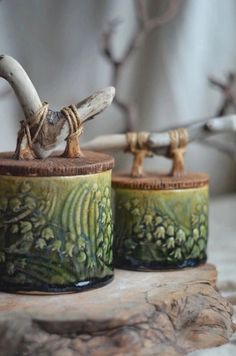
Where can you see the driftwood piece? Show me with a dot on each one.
(154, 313)
(24, 89)
(171, 144)
(159, 142)
(55, 128)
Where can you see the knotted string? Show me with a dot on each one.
(25, 140)
(178, 143)
(72, 149)
(137, 145)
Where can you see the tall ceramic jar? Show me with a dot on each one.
(55, 223)
(55, 209)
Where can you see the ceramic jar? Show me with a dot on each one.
(161, 222)
(55, 223)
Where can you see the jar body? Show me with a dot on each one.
(156, 229)
(55, 232)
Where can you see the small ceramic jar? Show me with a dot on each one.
(161, 222)
(55, 223)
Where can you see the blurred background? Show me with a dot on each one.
(180, 69)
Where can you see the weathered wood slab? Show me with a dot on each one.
(221, 248)
(152, 313)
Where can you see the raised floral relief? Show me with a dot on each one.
(47, 235)
(166, 229)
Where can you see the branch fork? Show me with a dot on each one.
(145, 26)
(44, 129)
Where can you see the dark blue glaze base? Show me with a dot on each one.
(136, 265)
(57, 289)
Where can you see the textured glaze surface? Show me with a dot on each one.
(160, 229)
(55, 233)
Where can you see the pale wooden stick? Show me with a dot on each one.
(55, 129)
(24, 89)
(159, 143)
(87, 110)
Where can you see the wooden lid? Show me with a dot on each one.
(92, 162)
(155, 181)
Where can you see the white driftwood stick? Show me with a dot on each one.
(226, 125)
(16, 76)
(106, 142)
(87, 110)
(30, 102)
(159, 143)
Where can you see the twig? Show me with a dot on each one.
(144, 27)
(229, 100)
(229, 97)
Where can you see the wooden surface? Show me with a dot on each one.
(154, 313)
(160, 181)
(222, 252)
(90, 163)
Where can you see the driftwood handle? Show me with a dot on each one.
(55, 128)
(160, 143)
(24, 89)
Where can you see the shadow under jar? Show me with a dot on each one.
(55, 223)
(161, 222)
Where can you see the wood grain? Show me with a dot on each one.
(155, 313)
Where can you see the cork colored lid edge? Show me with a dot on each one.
(54, 166)
(155, 181)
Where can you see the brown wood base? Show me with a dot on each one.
(140, 313)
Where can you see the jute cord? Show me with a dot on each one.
(137, 145)
(178, 142)
(75, 128)
(74, 121)
(38, 119)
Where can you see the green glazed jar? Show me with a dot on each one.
(55, 223)
(161, 222)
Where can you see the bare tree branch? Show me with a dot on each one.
(229, 96)
(144, 27)
(229, 101)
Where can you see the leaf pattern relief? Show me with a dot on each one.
(47, 239)
(146, 232)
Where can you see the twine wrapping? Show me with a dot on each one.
(25, 139)
(178, 143)
(137, 145)
(72, 149)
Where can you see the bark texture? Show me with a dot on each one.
(161, 313)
